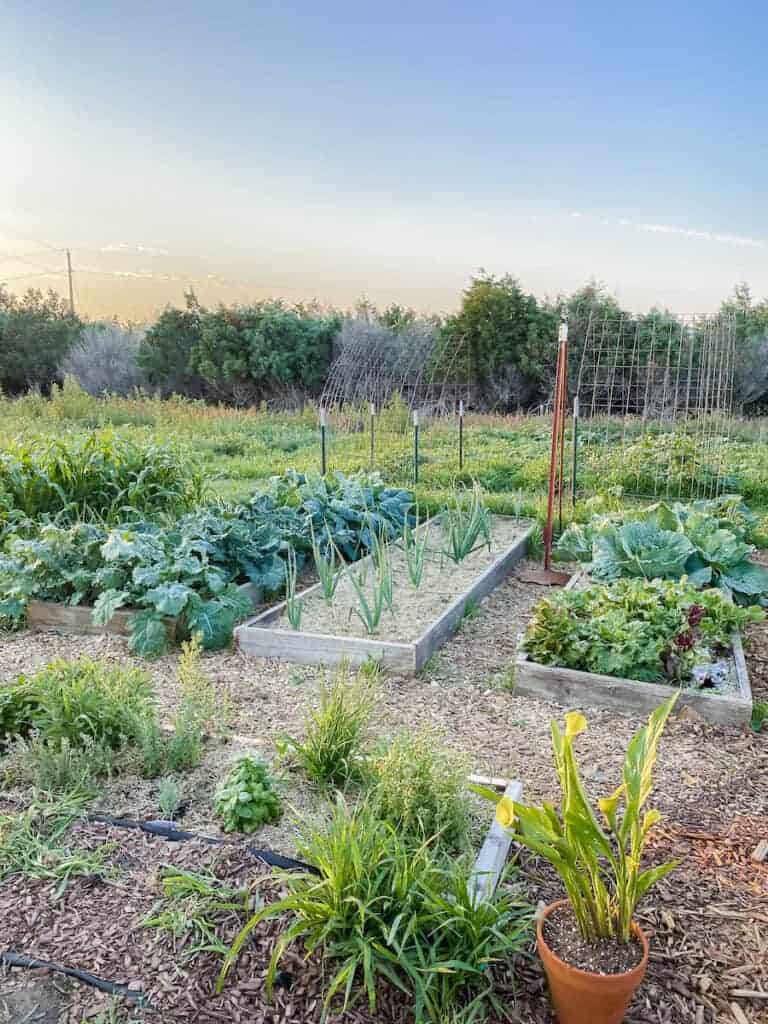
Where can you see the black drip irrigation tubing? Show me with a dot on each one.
(114, 988)
(168, 831)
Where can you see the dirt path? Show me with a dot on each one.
(709, 919)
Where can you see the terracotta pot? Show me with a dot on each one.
(582, 997)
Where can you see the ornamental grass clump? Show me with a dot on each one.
(598, 863)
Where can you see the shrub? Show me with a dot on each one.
(419, 787)
(335, 732)
(246, 799)
(104, 360)
(36, 333)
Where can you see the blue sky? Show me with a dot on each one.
(337, 149)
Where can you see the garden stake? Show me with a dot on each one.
(323, 465)
(548, 576)
(461, 435)
(415, 446)
(575, 449)
(373, 421)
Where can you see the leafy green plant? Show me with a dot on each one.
(61, 766)
(599, 865)
(635, 629)
(704, 541)
(169, 797)
(759, 715)
(459, 940)
(466, 524)
(103, 477)
(294, 606)
(32, 843)
(416, 545)
(18, 703)
(247, 799)
(331, 753)
(419, 787)
(84, 700)
(370, 608)
(327, 567)
(382, 909)
(355, 914)
(195, 908)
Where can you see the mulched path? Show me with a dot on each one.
(708, 920)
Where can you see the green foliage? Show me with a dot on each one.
(331, 753)
(36, 333)
(759, 715)
(250, 353)
(416, 540)
(165, 352)
(246, 799)
(635, 629)
(103, 477)
(194, 908)
(508, 341)
(384, 909)
(86, 700)
(419, 787)
(62, 766)
(18, 703)
(599, 866)
(294, 606)
(32, 843)
(704, 540)
(466, 524)
(168, 797)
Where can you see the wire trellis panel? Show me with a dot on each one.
(668, 384)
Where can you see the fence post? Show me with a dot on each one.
(575, 448)
(461, 435)
(323, 459)
(373, 421)
(415, 446)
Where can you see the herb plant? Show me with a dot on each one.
(246, 799)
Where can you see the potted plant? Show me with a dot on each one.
(594, 953)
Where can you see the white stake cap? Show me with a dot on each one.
(461, 407)
(563, 333)
(322, 417)
(415, 417)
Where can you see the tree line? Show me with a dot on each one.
(502, 338)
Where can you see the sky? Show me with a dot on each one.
(336, 150)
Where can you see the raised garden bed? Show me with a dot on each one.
(423, 618)
(43, 616)
(730, 704)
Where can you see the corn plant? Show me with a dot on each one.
(600, 868)
(467, 525)
(294, 606)
(327, 565)
(415, 548)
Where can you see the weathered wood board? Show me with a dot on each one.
(44, 616)
(260, 638)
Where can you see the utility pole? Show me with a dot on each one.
(69, 277)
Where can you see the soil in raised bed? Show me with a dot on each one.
(414, 609)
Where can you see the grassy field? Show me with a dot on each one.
(508, 455)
